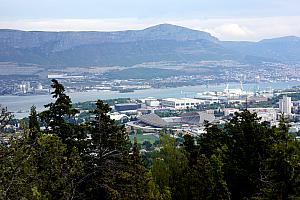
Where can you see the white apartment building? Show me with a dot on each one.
(285, 105)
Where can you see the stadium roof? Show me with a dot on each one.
(196, 117)
(153, 120)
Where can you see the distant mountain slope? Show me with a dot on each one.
(122, 54)
(163, 42)
(58, 41)
(284, 49)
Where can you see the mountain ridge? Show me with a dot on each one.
(162, 42)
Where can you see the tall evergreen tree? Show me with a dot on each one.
(106, 134)
(34, 125)
(168, 167)
(257, 161)
(283, 181)
(41, 171)
(58, 113)
(139, 175)
(33, 119)
(204, 178)
(105, 156)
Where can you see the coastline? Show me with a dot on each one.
(20, 105)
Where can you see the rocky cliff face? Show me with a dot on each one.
(59, 41)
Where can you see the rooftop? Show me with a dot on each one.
(153, 120)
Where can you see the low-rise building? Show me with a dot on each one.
(181, 103)
(152, 102)
(127, 106)
(266, 114)
(210, 99)
(122, 118)
(230, 111)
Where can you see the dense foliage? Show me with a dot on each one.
(244, 159)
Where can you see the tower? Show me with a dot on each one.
(285, 105)
(241, 85)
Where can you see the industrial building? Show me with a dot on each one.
(127, 106)
(197, 118)
(121, 118)
(153, 120)
(181, 104)
(210, 99)
(152, 102)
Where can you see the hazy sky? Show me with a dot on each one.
(225, 19)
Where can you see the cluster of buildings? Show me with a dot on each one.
(99, 78)
(25, 88)
(186, 115)
(189, 115)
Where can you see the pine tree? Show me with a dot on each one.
(105, 133)
(106, 156)
(58, 113)
(169, 166)
(42, 171)
(34, 125)
(204, 178)
(283, 181)
(139, 175)
(255, 160)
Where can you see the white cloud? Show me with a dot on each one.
(225, 28)
(231, 31)
(251, 28)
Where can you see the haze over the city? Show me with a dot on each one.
(251, 20)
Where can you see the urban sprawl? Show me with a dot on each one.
(146, 118)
